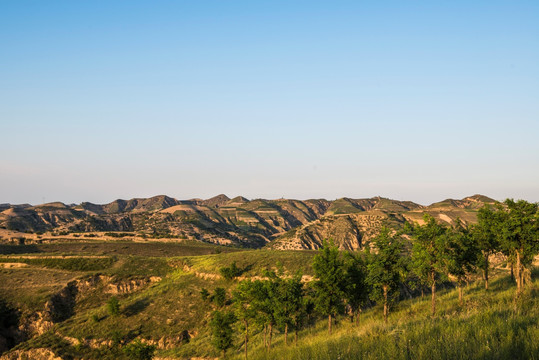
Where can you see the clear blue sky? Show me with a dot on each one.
(412, 100)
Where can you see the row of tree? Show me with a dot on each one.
(415, 257)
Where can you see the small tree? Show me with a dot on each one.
(520, 233)
(486, 234)
(461, 255)
(263, 305)
(330, 284)
(288, 303)
(357, 289)
(385, 267)
(113, 306)
(243, 298)
(428, 253)
(221, 328)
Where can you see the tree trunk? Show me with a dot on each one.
(519, 273)
(329, 324)
(286, 334)
(386, 309)
(246, 336)
(433, 292)
(270, 335)
(296, 334)
(512, 271)
(422, 292)
(486, 271)
(265, 335)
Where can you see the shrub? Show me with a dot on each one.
(219, 297)
(139, 351)
(230, 272)
(113, 306)
(204, 294)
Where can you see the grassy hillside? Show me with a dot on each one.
(488, 326)
(160, 303)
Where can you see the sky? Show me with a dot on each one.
(411, 100)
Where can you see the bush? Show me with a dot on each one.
(113, 306)
(230, 272)
(219, 297)
(139, 351)
(204, 294)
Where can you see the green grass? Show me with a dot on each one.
(488, 326)
(155, 249)
(129, 266)
(254, 262)
(71, 264)
(29, 288)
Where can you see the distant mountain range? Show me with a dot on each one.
(279, 224)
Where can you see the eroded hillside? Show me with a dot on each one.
(280, 224)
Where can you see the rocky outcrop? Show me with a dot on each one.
(167, 343)
(127, 286)
(32, 354)
(61, 305)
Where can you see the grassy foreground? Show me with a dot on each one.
(487, 326)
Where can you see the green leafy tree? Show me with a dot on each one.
(289, 303)
(428, 253)
(263, 305)
(486, 234)
(461, 254)
(520, 235)
(221, 329)
(385, 267)
(357, 289)
(244, 297)
(330, 283)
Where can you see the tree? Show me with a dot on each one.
(520, 233)
(428, 253)
(243, 297)
(330, 284)
(461, 255)
(264, 306)
(356, 285)
(221, 328)
(289, 304)
(486, 235)
(385, 267)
